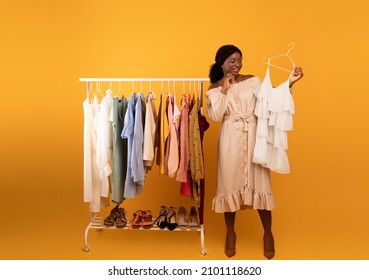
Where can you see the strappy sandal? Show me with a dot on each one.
(194, 221)
(182, 218)
(121, 218)
(137, 219)
(110, 220)
(147, 219)
(161, 220)
(172, 219)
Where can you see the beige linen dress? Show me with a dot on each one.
(240, 182)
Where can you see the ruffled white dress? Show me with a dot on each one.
(241, 183)
(274, 109)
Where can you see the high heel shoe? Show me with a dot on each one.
(230, 252)
(182, 218)
(194, 221)
(269, 250)
(161, 220)
(171, 219)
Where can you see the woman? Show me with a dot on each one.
(240, 182)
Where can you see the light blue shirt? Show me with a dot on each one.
(137, 163)
(131, 188)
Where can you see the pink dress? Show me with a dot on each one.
(240, 182)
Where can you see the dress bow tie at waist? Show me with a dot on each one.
(246, 118)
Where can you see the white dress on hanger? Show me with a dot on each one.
(91, 172)
(104, 145)
(274, 109)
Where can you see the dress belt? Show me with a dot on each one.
(246, 118)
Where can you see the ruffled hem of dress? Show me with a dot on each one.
(245, 198)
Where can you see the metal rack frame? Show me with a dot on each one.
(96, 221)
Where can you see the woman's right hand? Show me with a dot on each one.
(227, 81)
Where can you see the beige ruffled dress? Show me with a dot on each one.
(240, 182)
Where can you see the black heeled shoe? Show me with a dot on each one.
(172, 219)
(161, 220)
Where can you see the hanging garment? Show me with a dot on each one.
(240, 182)
(172, 152)
(91, 172)
(274, 109)
(137, 165)
(186, 187)
(184, 155)
(203, 126)
(131, 188)
(196, 154)
(151, 136)
(104, 145)
(163, 135)
(119, 168)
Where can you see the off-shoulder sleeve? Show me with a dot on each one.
(217, 104)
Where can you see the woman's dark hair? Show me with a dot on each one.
(216, 71)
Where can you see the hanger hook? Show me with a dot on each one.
(290, 47)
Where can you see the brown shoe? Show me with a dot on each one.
(137, 219)
(269, 250)
(230, 252)
(121, 221)
(110, 220)
(147, 219)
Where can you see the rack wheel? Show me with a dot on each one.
(86, 249)
(203, 251)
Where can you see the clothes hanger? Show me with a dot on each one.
(109, 90)
(151, 93)
(168, 87)
(119, 90)
(133, 86)
(195, 91)
(98, 91)
(174, 88)
(199, 85)
(290, 47)
(90, 92)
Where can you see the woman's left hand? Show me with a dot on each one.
(296, 75)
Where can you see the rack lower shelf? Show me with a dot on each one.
(97, 223)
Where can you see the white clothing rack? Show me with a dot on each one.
(199, 80)
(97, 222)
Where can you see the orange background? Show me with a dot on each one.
(46, 46)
